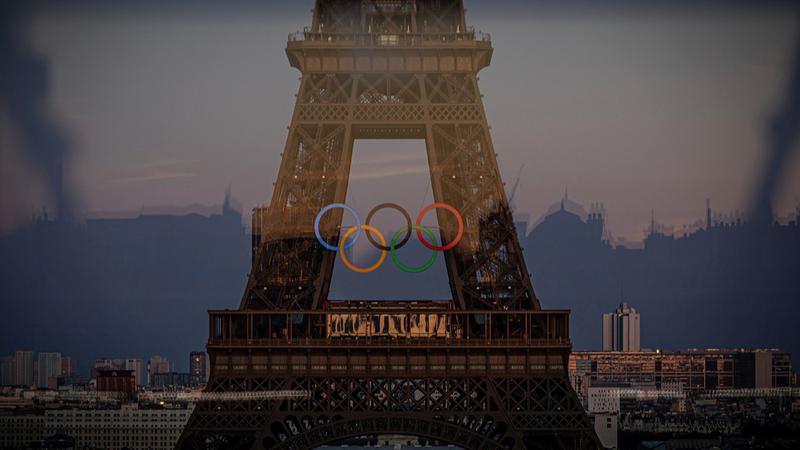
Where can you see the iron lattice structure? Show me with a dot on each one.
(494, 374)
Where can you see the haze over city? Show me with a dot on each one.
(649, 110)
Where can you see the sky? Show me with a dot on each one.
(649, 110)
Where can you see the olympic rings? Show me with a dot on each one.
(459, 233)
(404, 267)
(407, 228)
(328, 208)
(394, 245)
(350, 265)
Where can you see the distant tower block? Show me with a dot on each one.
(621, 330)
(492, 372)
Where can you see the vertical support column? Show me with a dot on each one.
(486, 269)
(456, 284)
(268, 218)
(323, 282)
(289, 156)
(512, 243)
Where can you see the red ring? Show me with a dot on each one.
(459, 234)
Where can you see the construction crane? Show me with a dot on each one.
(514, 188)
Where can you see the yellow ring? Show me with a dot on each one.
(350, 265)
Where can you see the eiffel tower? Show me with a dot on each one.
(285, 372)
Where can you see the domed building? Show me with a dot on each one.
(563, 232)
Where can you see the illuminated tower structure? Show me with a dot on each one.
(493, 373)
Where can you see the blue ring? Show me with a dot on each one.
(328, 208)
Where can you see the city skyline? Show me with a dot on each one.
(49, 369)
(229, 250)
(576, 204)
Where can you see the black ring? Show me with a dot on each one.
(409, 225)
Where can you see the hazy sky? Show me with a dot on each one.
(654, 108)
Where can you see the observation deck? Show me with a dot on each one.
(317, 51)
(466, 39)
(389, 328)
(389, 341)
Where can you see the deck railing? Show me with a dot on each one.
(389, 328)
(361, 39)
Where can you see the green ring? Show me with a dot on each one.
(404, 267)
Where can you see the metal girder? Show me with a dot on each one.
(474, 413)
(486, 269)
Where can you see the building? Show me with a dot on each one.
(23, 368)
(603, 400)
(766, 368)
(690, 370)
(7, 372)
(173, 379)
(69, 365)
(198, 367)
(121, 381)
(605, 425)
(127, 427)
(114, 429)
(102, 364)
(135, 365)
(157, 364)
(19, 430)
(621, 330)
(48, 369)
(73, 380)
